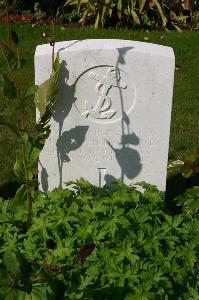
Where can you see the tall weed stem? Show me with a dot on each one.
(8, 22)
(53, 42)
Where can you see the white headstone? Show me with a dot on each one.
(112, 119)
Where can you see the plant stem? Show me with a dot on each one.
(25, 163)
(8, 23)
(18, 54)
(53, 43)
(28, 187)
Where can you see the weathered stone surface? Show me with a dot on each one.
(113, 115)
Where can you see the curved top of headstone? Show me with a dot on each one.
(100, 44)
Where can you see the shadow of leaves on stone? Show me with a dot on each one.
(128, 158)
(69, 141)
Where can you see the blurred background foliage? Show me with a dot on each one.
(132, 14)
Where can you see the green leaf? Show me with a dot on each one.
(4, 214)
(41, 96)
(119, 9)
(21, 63)
(189, 158)
(21, 295)
(8, 87)
(97, 21)
(33, 156)
(146, 20)
(12, 127)
(177, 28)
(19, 167)
(11, 262)
(31, 91)
(47, 94)
(135, 17)
(39, 292)
(10, 57)
(163, 17)
(141, 5)
(36, 294)
(189, 200)
(8, 293)
(18, 203)
(187, 170)
(83, 184)
(56, 65)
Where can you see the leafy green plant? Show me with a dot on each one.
(191, 164)
(31, 141)
(2, 8)
(154, 14)
(39, 14)
(98, 243)
(189, 201)
(17, 7)
(64, 15)
(188, 166)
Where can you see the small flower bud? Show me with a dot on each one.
(52, 42)
(43, 34)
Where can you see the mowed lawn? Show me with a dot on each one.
(185, 114)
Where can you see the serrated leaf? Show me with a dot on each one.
(11, 262)
(84, 184)
(4, 215)
(177, 221)
(21, 295)
(8, 293)
(39, 292)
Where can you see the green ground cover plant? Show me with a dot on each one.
(98, 243)
(189, 169)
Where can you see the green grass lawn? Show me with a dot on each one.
(184, 126)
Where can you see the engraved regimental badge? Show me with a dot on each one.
(103, 94)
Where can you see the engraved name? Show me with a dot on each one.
(95, 154)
